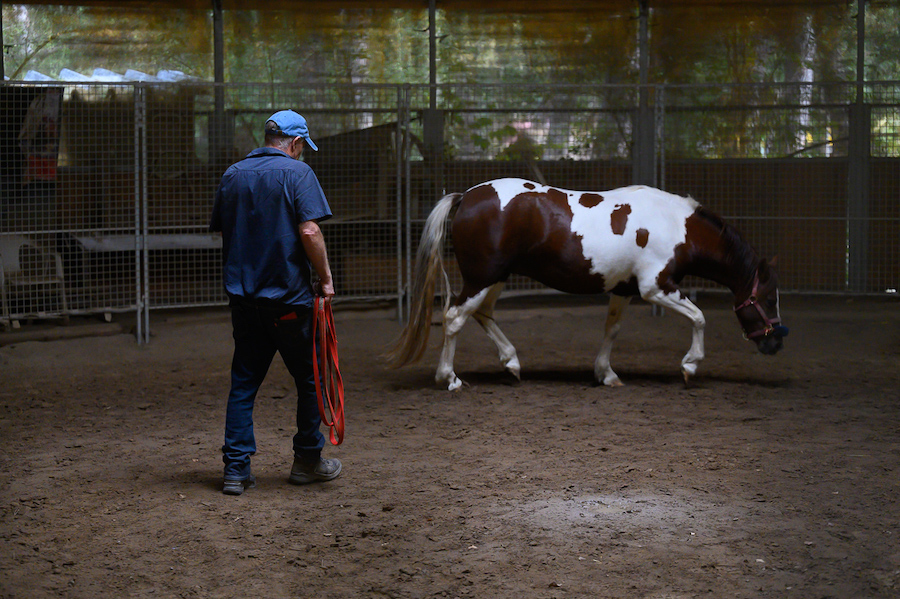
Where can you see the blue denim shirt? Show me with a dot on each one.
(259, 206)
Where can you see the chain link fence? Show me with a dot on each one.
(69, 193)
(106, 189)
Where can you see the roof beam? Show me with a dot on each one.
(513, 6)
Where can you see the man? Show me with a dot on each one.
(268, 207)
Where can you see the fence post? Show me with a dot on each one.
(643, 147)
(660, 141)
(858, 196)
(140, 229)
(859, 148)
(404, 211)
(2, 46)
(644, 144)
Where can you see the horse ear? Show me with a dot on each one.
(774, 261)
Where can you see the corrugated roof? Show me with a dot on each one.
(107, 76)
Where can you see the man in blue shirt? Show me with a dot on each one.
(268, 207)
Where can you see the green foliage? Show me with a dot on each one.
(337, 49)
(730, 43)
(48, 38)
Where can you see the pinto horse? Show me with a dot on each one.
(631, 241)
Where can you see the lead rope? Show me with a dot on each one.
(330, 392)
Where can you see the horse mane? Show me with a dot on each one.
(711, 217)
(737, 250)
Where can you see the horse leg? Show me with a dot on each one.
(602, 371)
(485, 317)
(679, 303)
(454, 319)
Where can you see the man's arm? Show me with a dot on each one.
(314, 244)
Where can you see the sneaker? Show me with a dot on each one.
(303, 473)
(236, 487)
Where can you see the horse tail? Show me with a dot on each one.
(413, 340)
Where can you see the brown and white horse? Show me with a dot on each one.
(630, 241)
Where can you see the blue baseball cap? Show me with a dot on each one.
(291, 124)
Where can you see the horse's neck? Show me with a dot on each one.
(731, 263)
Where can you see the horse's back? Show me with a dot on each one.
(634, 219)
(507, 190)
(626, 220)
(575, 241)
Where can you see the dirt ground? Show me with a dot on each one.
(769, 477)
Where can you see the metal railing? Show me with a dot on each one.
(106, 189)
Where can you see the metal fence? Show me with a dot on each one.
(106, 189)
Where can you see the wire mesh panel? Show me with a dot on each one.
(772, 160)
(883, 272)
(68, 190)
(195, 134)
(573, 137)
(106, 189)
(183, 259)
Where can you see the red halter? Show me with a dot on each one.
(770, 322)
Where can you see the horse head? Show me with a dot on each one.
(759, 314)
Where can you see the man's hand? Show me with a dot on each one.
(325, 290)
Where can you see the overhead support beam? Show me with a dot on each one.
(2, 46)
(432, 118)
(218, 42)
(643, 145)
(218, 125)
(860, 146)
(432, 54)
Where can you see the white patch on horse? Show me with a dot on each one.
(507, 189)
(612, 250)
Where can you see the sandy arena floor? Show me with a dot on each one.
(770, 477)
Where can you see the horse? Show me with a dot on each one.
(630, 241)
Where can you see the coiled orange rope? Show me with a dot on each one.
(326, 370)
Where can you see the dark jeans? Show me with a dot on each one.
(260, 331)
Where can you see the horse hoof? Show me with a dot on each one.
(510, 378)
(610, 380)
(455, 384)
